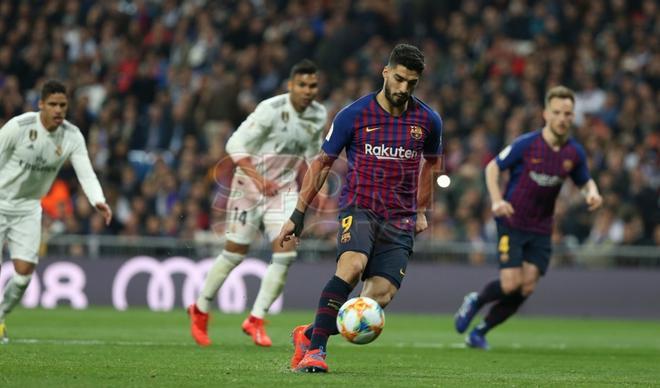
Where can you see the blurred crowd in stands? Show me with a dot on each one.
(158, 86)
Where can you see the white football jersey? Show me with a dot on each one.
(278, 138)
(31, 157)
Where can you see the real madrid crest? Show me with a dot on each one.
(33, 134)
(285, 116)
(415, 132)
(567, 164)
(58, 150)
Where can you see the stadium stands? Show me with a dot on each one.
(158, 86)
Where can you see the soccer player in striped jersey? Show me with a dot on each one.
(267, 148)
(386, 136)
(538, 162)
(33, 148)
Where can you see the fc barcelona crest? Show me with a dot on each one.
(33, 134)
(567, 164)
(346, 237)
(415, 132)
(285, 116)
(58, 150)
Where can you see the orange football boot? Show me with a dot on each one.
(199, 322)
(254, 327)
(313, 362)
(300, 344)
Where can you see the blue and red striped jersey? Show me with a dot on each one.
(383, 154)
(537, 174)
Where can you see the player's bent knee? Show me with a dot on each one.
(383, 299)
(352, 263)
(382, 295)
(349, 273)
(232, 257)
(284, 258)
(349, 276)
(236, 248)
(509, 287)
(357, 267)
(528, 289)
(23, 267)
(379, 289)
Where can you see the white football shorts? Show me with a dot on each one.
(248, 210)
(22, 234)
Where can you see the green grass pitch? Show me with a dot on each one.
(101, 347)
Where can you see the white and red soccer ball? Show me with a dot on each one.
(360, 320)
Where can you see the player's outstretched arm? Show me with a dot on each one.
(106, 212)
(314, 179)
(499, 206)
(592, 195)
(430, 167)
(88, 180)
(323, 196)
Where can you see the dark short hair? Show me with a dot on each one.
(304, 67)
(51, 87)
(408, 56)
(559, 92)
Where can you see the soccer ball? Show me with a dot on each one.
(360, 320)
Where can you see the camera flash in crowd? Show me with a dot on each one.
(443, 181)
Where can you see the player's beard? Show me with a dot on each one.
(561, 137)
(395, 101)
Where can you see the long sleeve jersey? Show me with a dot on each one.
(277, 138)
(31, 157)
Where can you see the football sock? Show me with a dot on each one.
(13, 293)
(309, 331)
(491, 292)
(224, 263)
(273, 282)
(332, 298)
(501, 311)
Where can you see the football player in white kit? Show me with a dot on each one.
(267, 148)
(33, 148)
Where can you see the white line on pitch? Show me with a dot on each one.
(420, 345)
(94, 342)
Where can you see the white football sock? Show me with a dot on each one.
(13, 293)
(273, 282)
(224, 263)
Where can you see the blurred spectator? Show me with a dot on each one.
(158, 87)
(57, 204)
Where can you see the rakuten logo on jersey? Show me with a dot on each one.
(384, 152)
(545, 180)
